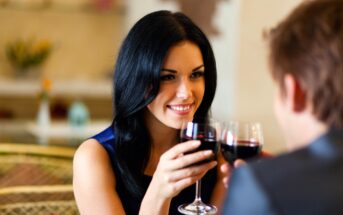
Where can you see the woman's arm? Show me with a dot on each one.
(94, 181)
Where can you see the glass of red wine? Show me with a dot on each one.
(208, 132)
(241, 140)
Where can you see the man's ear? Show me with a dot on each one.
(296, 96)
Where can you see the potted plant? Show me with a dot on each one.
(27, 55)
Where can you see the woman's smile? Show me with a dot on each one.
(181, 109)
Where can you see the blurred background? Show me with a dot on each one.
(57, 58)
(73, 44)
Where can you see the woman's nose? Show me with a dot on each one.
(184, 90)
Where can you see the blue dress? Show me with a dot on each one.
(130, 203)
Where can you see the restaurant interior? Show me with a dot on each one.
(56, 67)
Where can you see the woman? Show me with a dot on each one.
(165, 74)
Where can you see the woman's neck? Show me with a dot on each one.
(162, 139)
(162, 136)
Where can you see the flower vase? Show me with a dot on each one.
(43, 121)
(28, 73)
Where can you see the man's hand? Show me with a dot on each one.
(226, 168)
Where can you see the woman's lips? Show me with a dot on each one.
(181, 109)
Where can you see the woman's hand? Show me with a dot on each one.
(175, 171)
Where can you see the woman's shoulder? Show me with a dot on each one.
(92, 170)
(89, 151)
(92, 161)
(106, 136)
(97, 151)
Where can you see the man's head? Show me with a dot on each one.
(306, 59)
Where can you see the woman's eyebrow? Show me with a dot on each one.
(169, 70)
(174, 71)
(198, 67)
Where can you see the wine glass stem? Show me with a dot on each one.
(198, 191)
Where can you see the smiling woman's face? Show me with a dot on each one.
(182, 85)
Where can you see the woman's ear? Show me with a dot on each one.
(295, 95)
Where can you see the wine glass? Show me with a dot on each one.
(241, 140)
(208, 132)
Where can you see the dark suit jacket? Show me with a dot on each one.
(307, 181)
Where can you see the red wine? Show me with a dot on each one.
(206, 144)
(243, 149)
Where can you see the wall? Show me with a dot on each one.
(85, 42)
(253, 86)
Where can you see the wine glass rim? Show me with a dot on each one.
(235, 132)
(243, 122)
(201, 120)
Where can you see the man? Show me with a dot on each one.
(306, 61)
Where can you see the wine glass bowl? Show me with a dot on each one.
(241, 140)
(208, 132)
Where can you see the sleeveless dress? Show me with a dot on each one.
(130, 203)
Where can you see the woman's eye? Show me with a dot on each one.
(197, 74)
(167, 77)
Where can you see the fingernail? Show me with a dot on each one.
(207, 152)
(196, 142)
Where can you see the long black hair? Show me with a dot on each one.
(136, 84)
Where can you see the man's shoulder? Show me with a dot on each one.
(299, 176)
(282, 162)
(321, 153)
(285, 170)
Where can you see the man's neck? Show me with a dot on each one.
(308, 129)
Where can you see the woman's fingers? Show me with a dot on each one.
(181, 148)
(189, 159)
(175, 170)
(191, 171)
(186, 182)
